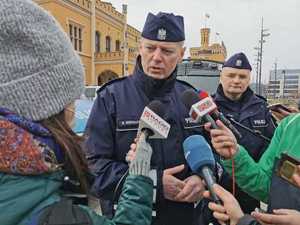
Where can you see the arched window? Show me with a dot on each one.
(107, 41)
(117, 45)
(97, 42)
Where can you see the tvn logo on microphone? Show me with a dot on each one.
(154, 122)
(201, 108)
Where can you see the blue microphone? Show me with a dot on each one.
(199, 156)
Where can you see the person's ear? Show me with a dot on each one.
(182, 51)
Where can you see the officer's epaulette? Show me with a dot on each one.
(186, 83)
(111, 82)
(261, 97)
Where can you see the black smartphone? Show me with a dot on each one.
(287, 166)
(277, 106)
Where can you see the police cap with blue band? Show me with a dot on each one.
(164, 27)
(238, 61)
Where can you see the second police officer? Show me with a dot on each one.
(247, 111)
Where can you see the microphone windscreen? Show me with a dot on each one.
(203, 94)
(198, 153)
(189, 97)
(157, 107)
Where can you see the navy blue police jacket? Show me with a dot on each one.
(113, 125)
(250, 111)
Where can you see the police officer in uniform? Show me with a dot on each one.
(248, 112)
(113, 124)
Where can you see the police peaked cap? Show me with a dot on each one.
(164, 27)
(238, 61)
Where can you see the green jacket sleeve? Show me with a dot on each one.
(255, 178)
(134, 206)
(135, 203)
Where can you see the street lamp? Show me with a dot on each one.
(283, 73)
(275, 77)
(263, 34)
(257, 67)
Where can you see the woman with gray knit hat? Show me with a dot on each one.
(40, 77)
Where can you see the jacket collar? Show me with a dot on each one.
(247, 99)
(151, 86)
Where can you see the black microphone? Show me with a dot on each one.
(200, 159)
(219, 115)
(199, 109)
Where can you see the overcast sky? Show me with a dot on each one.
(237, 21)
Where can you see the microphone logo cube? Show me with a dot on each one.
(154, 122)
(205, 106)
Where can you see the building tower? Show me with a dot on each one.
(205, 32)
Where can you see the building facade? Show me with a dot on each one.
(215, 52)
(100, 34)
(284, 83)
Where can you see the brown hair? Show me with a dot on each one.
(71, 144)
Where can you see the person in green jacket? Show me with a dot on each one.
(260, 180)
(41, 158)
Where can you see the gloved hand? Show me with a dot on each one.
(140, 165)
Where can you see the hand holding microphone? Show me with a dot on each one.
(199, 156)
(151, 125)
(223, 140)
(140, 165)
(230, 210)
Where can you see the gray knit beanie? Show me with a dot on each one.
(40, 73)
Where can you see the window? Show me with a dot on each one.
(107, 40)
(75, 33)
(75, 38)
(117, 45)
(291, 77)
(97, 42)
(80, 39)
(71, 32)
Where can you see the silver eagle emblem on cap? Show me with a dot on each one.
(162, 34)
(238, 62)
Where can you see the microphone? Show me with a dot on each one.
(151, 123)
(219, 115)
(199, 157)
(199, 110)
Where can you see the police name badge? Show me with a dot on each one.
(259, 122)
(162, 34)
(238, 62)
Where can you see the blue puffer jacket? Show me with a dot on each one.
(113, 126)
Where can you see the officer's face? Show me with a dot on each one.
(159, 59)
(234, 82)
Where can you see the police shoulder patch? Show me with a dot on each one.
(111, 82)
(186, 84)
